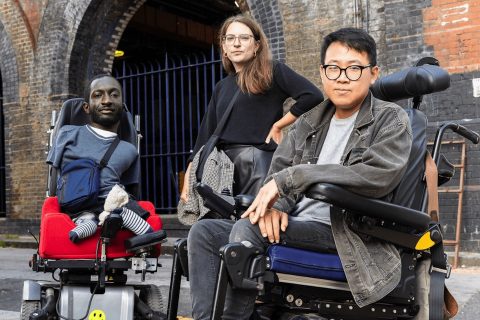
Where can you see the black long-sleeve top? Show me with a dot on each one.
(253, 115)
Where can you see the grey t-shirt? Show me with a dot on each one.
(332, 150)
(83, 142)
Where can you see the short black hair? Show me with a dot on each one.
(356, 39)
(88, 86)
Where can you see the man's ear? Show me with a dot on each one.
(86, 107)
(375, 74)
(322, 74)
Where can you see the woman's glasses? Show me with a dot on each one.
(243, 38)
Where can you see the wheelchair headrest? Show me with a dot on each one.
(72, 113)
(411, 82)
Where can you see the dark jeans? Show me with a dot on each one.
(204, 241)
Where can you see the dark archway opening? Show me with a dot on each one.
(176, 27)
(2, 155)
(168, 71)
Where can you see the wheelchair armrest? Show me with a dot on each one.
(51, 205)
(375, 208)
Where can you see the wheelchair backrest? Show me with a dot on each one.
(413, 82)
(72, 113)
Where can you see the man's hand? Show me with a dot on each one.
(271, 223)
(264, 200)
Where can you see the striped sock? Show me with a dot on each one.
(134, 222)
(85, 229)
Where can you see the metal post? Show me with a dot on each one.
(220, 292)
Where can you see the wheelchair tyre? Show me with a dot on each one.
(27, 308)
(155, 298)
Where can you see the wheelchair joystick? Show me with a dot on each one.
(111, 226)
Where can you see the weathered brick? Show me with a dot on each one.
(49, 49)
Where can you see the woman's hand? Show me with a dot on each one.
(186, 181)
(275, 133)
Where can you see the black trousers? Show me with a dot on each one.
(251, 167)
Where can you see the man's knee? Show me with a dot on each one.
(244, 230)
(198, 231)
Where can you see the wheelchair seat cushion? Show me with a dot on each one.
(55, 243)
(305, 263)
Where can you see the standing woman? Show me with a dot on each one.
(254, 127)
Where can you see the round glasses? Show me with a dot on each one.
(353, 73)
(243, 38)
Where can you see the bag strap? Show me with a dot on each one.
(214, 138)
(223, 121)
(431, 178)
(109, 152)
(440, 299)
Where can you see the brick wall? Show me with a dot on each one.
(267, 13)
(405, 31)
(17, 43)
(50, 48)
(43, 63)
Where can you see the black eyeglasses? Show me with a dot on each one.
(353, 73)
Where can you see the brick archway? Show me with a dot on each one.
(8, 68)
(93, 51)
(9, 93)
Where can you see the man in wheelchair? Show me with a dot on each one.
(92, 262)
(372, 252)
(104, 105)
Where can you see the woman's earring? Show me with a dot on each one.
(254, 54)
(225, 54)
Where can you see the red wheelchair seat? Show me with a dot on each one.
(55, 243)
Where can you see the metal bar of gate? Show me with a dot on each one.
(167, 185)
(171, 97)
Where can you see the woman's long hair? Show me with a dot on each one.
(256, 76)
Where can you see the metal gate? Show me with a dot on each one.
(171, 96)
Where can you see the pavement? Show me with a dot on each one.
(464, 282)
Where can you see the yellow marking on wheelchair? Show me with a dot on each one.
(183, 318)
(97, 315)
(425, 242)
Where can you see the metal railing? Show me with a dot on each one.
(170, 96)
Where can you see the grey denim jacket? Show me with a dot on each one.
(373, 163)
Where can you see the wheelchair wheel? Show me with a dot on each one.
(27, 308)
(155, 298)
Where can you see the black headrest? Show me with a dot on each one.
(411, 82)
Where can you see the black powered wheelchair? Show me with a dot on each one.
(91, 280)
(297, 283)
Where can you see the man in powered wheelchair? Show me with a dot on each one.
(91, 262)
(357, 242)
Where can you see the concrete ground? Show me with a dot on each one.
(464, 283)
